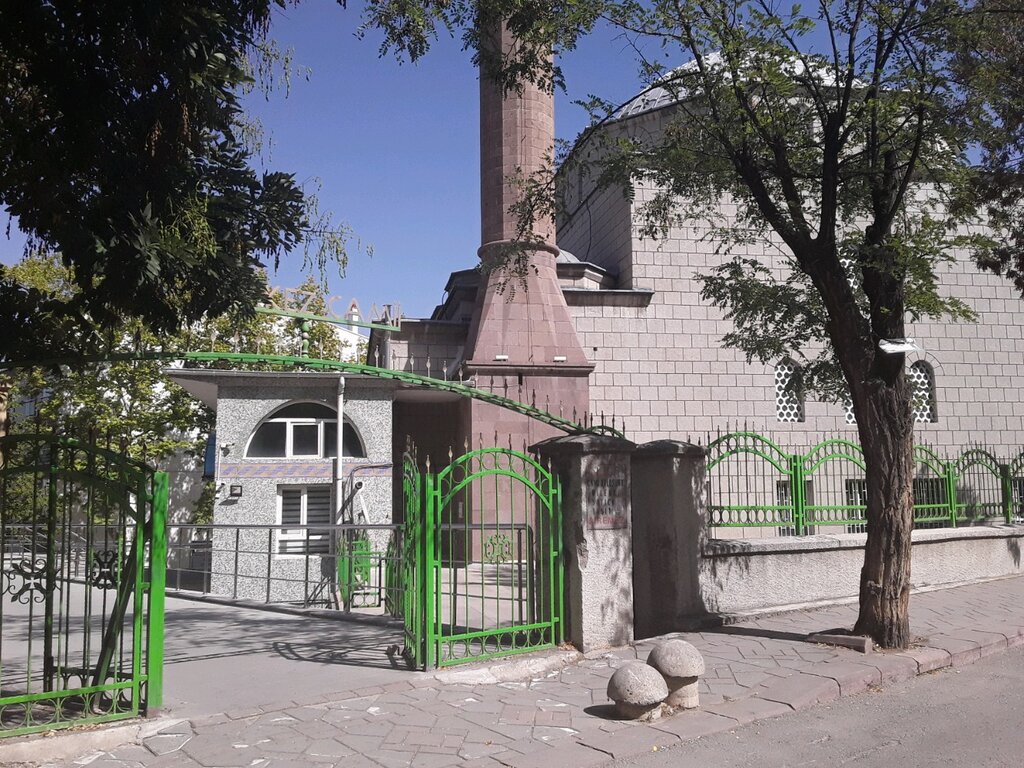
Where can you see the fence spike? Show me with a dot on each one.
(428, 366)
(445, 370)
(450, 454)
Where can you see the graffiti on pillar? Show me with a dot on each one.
(606, 502)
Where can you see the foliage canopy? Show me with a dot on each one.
(121, 149)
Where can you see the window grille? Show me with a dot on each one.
(922, 383)
(851, 417)
(789, 396)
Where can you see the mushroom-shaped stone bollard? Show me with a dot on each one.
(636, 689)
(680, 664)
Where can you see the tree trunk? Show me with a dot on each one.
(887, 436)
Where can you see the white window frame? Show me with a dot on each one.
(290, 422)
(284, 535)
(289, 436)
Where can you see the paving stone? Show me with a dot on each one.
(575, 755)
(892, 667)
(988, 642)
(481, 762)
(693, 724)
(928, 659)
(801, 690)
(851, 678)
(960, 651)
(749, 709)
(636, 740)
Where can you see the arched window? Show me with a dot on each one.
(922, 392)
(303, 430)
(789, 391)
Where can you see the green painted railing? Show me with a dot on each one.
(752, 482)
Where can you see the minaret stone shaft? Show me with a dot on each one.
(527, 330)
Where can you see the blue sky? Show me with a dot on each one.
(394, 147)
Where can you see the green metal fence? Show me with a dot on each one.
(754, 483)
(486, 563)
(83, 542)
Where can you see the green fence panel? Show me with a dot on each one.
(753, 483)
(834, 485)
(413, 562)
(1015, 491)
(979, 488)
(81, 574)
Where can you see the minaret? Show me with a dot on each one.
(521, 343)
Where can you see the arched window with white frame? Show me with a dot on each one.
(303, 430)
(922, 392)
(789, 391)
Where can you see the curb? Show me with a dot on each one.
(70, 744)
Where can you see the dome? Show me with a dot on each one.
(669, 89)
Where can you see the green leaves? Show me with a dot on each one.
(120, 150)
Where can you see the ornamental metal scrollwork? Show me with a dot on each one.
(34, 584)
(498, 549)
(103, 570)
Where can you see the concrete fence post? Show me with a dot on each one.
(670, 526)
(596, 519)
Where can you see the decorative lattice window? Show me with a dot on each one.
(851, 417)
(922, 387)
(789, 396)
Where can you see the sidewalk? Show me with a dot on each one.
(755, 669)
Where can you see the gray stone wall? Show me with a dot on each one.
(774, 573)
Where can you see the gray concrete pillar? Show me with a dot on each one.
(669, 508)
(596, 492)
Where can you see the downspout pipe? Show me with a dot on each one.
(339, 462)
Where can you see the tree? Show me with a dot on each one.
(120, 149)
(989, 66)
(122, 401)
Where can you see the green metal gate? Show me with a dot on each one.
(485, 574)
(83, 543)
